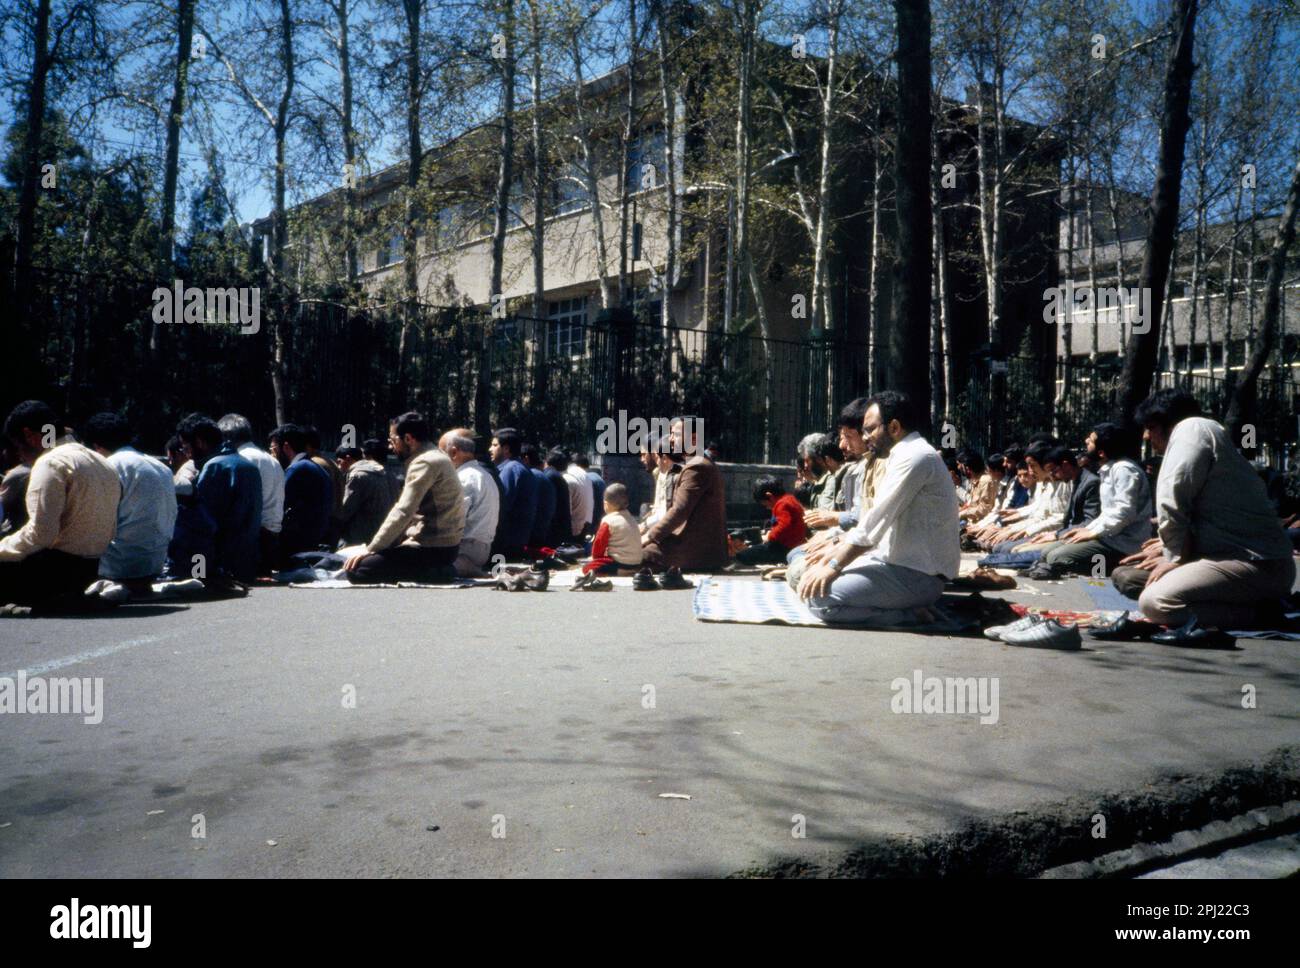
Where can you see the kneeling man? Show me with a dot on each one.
(420, 538)
(905, 546)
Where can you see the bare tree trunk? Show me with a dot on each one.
(281, 222)
(873, 264)
(1121, 277)
(505, 164)
(824, 178)
(540, 183)
(590, 165)
(1143, 349)
(410, 202)
(909, 332)
(31, 160)
(171, 156)
(668, 95)
(1242, 410)
(1092, 266)
(625, 191)
(744, 98)
(344, 51)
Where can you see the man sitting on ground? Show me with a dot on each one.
(146, 514)
(905, 547)
(367, 496)
(308, 494)
(984, 483)
(786, 529)
(692, 534)
(518, 495)
(822, 459)
(13, 489)
(482, 502)
(597, 488)
(1121, 520)
(222, 519)
(1227, 560)
(581, 501)
(72, 497)
(617, 544)
(1085, 496)
(338, 480)
(1045, 511)
(420, 538)
(540, 536)
(238, 431)
(557, 462)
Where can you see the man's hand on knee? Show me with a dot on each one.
(817, 581)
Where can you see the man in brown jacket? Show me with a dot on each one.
(692, 534)
(420, 538)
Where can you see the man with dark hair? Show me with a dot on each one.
(821, 460)
(367, 495)
(1227, 560)
(984, 480)
(420, 537)
(14, 475)
(581, 500)
(540, 536)
(786, 529)
(308, 494)
(1045, 510)
(337, 479)
(597, 488)
(518, 494)
(905, 546)
(692, 534)
(237, 430)
(221, 521)
(557, 462)
(146, 514)
(857, 484)
(1121, 521)
(72, 498)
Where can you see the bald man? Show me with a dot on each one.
(482, 502)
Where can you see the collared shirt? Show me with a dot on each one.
(983, 496)
(72, 497)
(1047, 509)
(146, 517)
(849, 490)
(581, 498)
(1211, 502)
(873, 471)
(431, 510)
(272, 475)
(1125, 518)
(912, 520)
(482, 502)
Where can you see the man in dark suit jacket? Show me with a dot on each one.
(692, 534)
(1085, 505)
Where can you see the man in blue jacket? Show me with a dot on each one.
(531, 455)
(518, 496)
(225, 518)
(308, 494)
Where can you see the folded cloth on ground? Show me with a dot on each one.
(1010, 559)
(775, 603)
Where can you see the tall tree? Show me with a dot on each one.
(1162, 226)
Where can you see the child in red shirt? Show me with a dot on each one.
(786, 529)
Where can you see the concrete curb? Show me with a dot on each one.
(1212, 838)
(1167, 817)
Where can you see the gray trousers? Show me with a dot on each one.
(876, 592)
(1220, 594)
(472, 559)
(1077, 556)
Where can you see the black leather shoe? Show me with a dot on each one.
(1123, 629)
(644, 581)
(1194, 636)
(672, 580)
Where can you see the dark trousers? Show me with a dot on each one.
(45, 576)
(1129, 581)
(767, 553)
(268, 556)
(406, 563)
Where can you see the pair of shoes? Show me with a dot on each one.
(1196, 636)
(1040, 571)
(591, 583)
(535, 579)
(1123, 629)
(15, 611)
(1036, 632)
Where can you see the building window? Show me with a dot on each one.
(390, 251)
(567, 329)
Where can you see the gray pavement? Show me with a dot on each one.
(480, 712)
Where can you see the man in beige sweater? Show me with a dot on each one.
(72, 500)
(420, 538)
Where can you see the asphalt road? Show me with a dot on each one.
(521, 727)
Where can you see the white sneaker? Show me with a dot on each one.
(996, 632)
(1050, 634)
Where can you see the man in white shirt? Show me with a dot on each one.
(1226, 556)
(581, 499)
(904, 548)
(1045, 511)
(146, 513)
(482, 502)
(239, 432)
